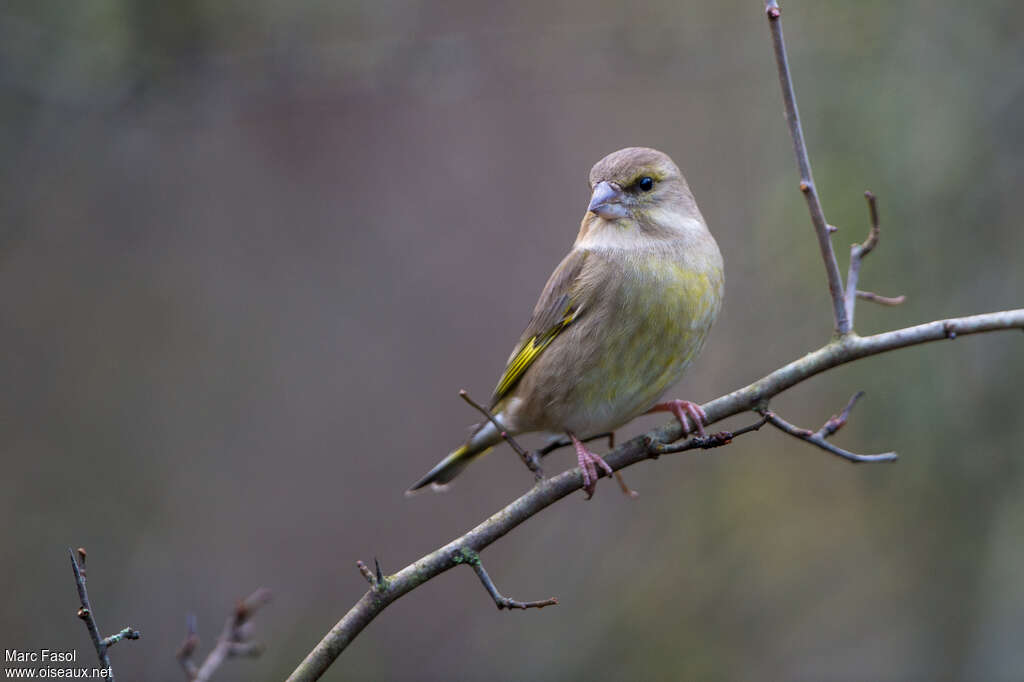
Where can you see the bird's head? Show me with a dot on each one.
(639, 188)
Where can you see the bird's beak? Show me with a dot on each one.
(606, 201)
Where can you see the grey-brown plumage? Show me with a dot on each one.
(620, 318)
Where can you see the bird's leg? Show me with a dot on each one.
(686, 412)
(589, 462)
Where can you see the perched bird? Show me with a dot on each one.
(619, 321)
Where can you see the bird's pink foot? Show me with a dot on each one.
(589, 463)
(686, 412)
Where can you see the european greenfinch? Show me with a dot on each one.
(619, 321)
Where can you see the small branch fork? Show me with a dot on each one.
(234, 640)
(819, 437)
(465, 555)
(713, 440)
(821, 226)
(857, 254)
(101, 644)
(378, 583)
(843, 301)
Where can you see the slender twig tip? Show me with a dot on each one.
(366, 573)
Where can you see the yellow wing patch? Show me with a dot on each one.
(530, 351)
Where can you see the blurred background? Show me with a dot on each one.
(249, 253)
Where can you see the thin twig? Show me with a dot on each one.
(803, 162)
(875, 232)
(367, 573)
(838, 421)
(233, 641)
(857, 254)
(815, 439)
(125, 633)
(550, 490)
(879, 299)
(708, 442)
(529, 459)
(377, 582)
(101, 644)
(188, 647)
(464, 555)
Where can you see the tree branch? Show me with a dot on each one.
(548, 491)
(233, 640)
(843, 324)
(714, 440)
(838, 421)
(101, 644)
(818, 439)
(857, 254)
(468, 556)
(879, 299)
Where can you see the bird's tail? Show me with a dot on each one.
(480, 443)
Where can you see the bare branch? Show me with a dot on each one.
(857, 254)
(714, 440)
(187, 648)
(366, 573)
(879, 299)
(125, 633)
(550, 490)
(816, 439)
(875, 232)
(838, 421)
(233, 641)
(531, 460)
(101, 644)
(464, 555)
(803, 162)
(377, 582)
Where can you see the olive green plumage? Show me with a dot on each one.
(621, 317)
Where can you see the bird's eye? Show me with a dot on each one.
(645, 183)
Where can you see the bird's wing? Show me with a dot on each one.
(558, 307)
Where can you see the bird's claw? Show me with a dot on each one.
(589, 463)
(687, 413)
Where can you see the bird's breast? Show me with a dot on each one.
(660, 315)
